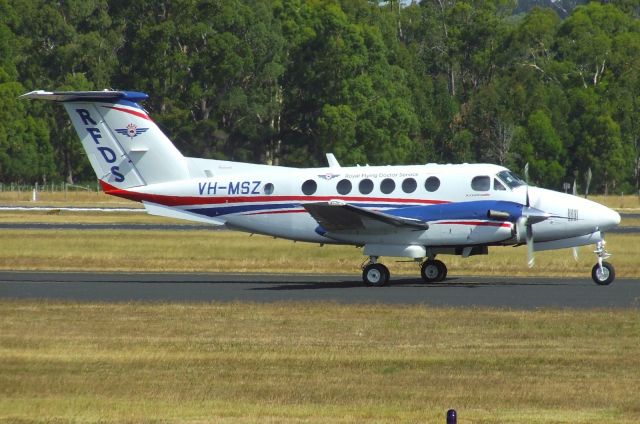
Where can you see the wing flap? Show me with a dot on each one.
(339, 216)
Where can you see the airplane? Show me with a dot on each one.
(408, 211)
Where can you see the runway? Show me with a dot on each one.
(501, 292)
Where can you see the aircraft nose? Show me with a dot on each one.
(609, 219)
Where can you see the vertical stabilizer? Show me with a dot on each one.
(125, 147)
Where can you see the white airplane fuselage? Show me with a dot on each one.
(235, 196)
(416, 211)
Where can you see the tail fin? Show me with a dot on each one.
(125, 147)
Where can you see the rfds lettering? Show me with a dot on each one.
(106, 152)
(234, 187)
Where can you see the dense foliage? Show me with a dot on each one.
(285, 81)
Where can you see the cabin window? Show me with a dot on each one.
(432, 184)
(365, 186)
(409, 185)
(481, 183)
(268, 188)
(344, 186)
(497, 185)
(387, 185)
(309, 187)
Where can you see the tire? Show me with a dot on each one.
(433, 271)
(605, 276)
(375, 275)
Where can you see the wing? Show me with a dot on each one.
(338, 216)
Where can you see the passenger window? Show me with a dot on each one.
(409, 185)
(344, 187)
(309, 187)
(268, 188)
(387, 185)
(432, 184)
(481, 183)
(365, 186)
(497, 185)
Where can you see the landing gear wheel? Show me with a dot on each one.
(605, 275)
(375, 275)
(433, 271)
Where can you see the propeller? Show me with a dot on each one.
(530, 216)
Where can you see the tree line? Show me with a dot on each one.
(285, 81)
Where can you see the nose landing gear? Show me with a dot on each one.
(603, 273)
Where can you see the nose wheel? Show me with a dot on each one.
(602, 273)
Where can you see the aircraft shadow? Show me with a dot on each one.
(453, 282)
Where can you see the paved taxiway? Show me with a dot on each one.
(509, 292)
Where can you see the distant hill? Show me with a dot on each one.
(562, 7)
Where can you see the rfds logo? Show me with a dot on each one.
(131, 131)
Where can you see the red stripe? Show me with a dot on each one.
(194, 200)
(132, 112)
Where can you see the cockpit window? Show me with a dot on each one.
(497, 185)
(510, 179)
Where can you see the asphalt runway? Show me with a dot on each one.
(502, 292)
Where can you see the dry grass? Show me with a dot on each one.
(227, 251)
(60, 199)
(68, 362)
(204, 251)
(58, 216)
(623, 203)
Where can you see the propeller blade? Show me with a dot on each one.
(531, 260)
(575, 253)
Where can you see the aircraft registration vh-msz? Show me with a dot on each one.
(416, 212)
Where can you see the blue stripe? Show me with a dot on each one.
(461, 210)
(218, 211)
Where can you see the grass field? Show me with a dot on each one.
(215, 251)
(315, 362)
(304, 362)
(228, 251)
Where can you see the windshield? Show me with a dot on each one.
(511, 179)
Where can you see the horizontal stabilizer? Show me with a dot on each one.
(70, 96)
(338, 216)
(172, 212)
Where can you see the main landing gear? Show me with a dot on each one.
(377, 275)
(603, 273)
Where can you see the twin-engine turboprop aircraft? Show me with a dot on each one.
(416, 212)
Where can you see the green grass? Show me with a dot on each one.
(315, 362)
